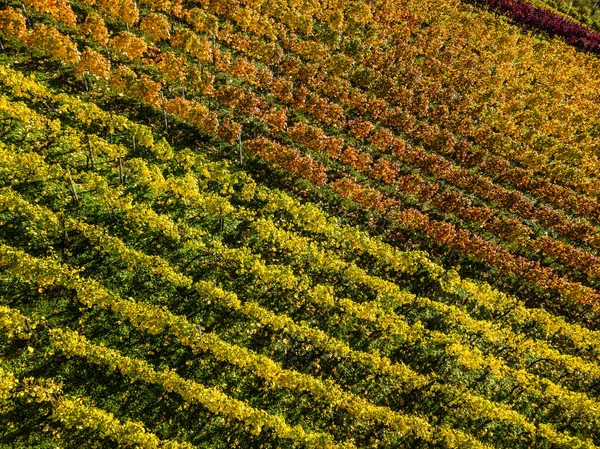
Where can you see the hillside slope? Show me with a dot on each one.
(296, 224)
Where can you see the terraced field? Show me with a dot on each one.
(360, 224)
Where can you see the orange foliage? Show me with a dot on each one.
(128, 45)
(157, 26)
(12, 22)
(93, 63)
(54, 43)
(94, 27)
(58, 9)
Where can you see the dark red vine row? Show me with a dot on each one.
(544, 20)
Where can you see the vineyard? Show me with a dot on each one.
(285, 224)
